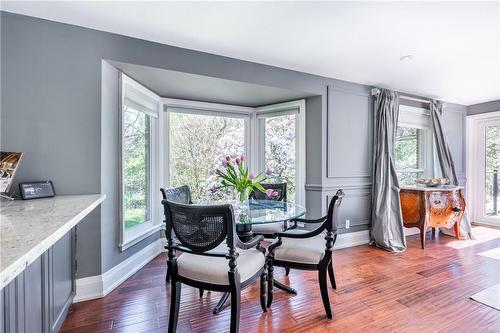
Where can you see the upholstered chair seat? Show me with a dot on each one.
(267, 229)
(301, 250)
(214, 269)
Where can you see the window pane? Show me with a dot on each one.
(280, 150)
(406, 155)
(492, 167)
(197, 145)
(137, 166)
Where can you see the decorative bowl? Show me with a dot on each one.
(433, 182)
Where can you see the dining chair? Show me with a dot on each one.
(206, 261)
(308, 250)
(268, 229)
(180, 194)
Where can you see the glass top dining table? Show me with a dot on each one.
(265, 211)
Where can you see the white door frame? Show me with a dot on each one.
(475, 157)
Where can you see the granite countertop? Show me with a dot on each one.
(29, 227)
(433, 189)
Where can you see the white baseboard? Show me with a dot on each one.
(99, 286)
(352, 239)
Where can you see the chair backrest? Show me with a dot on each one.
(199, 228)
(181, 194)
(332, 221)
(280, 188)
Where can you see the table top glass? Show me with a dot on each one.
(266, 211)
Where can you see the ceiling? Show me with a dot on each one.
(181, 85)
(455, 45)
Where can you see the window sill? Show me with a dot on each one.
(138, 238)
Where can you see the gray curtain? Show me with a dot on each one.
(387, 222)
(444, 154)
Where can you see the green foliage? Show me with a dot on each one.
(492, 163)
(280, 150)
(406, 157)
(136, 166)
(197, 143)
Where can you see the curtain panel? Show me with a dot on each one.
(444, 155)
(387, 222)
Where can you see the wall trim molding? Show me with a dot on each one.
(98, 286)
(362, 237)
(334, 187)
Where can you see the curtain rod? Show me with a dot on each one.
(376, 91)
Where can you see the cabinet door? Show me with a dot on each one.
(61, 275)
(34, 285)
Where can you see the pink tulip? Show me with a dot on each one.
(275, 193)
(225, 163)
(269, 192)
(228, 158)
(251, 176)
(242, 158)
(269, 172)
(238, 161)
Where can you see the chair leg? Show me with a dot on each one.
(270, 282)
(324, 291)
(201, 292)
(175, 300)
(235, 308)
(167, 277)
(287, 271)
(263, 291)
(331, 273)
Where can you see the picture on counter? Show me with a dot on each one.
(9, 163)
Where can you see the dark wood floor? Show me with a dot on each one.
(417, 291)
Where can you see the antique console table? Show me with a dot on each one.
(436, 207)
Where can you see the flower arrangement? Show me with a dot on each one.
(237, 176)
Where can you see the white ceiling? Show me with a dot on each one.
(455, 45)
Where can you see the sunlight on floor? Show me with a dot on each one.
(481, 235)
(493, 253)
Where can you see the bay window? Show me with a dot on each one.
(139, 155)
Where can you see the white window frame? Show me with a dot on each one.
(147, 102)
(171, 105)
(475, 157)
(419, 118)
(253, 136)
(294, 107)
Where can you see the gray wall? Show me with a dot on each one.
(51, 110)
(484, 107)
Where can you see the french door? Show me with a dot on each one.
(483, 162)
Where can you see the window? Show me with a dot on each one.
(413, 146)
(139, 155)
(136, 167)
(483, 167)
(198, 135)
(407, 155)
(197, 143)
(281, 133)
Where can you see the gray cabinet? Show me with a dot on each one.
(38, 299)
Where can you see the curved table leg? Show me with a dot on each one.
(221, 303)
(283, 287)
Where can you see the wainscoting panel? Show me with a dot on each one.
(454, 127)
(356, 207)
(349, 133)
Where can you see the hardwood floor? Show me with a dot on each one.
(416, 291)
